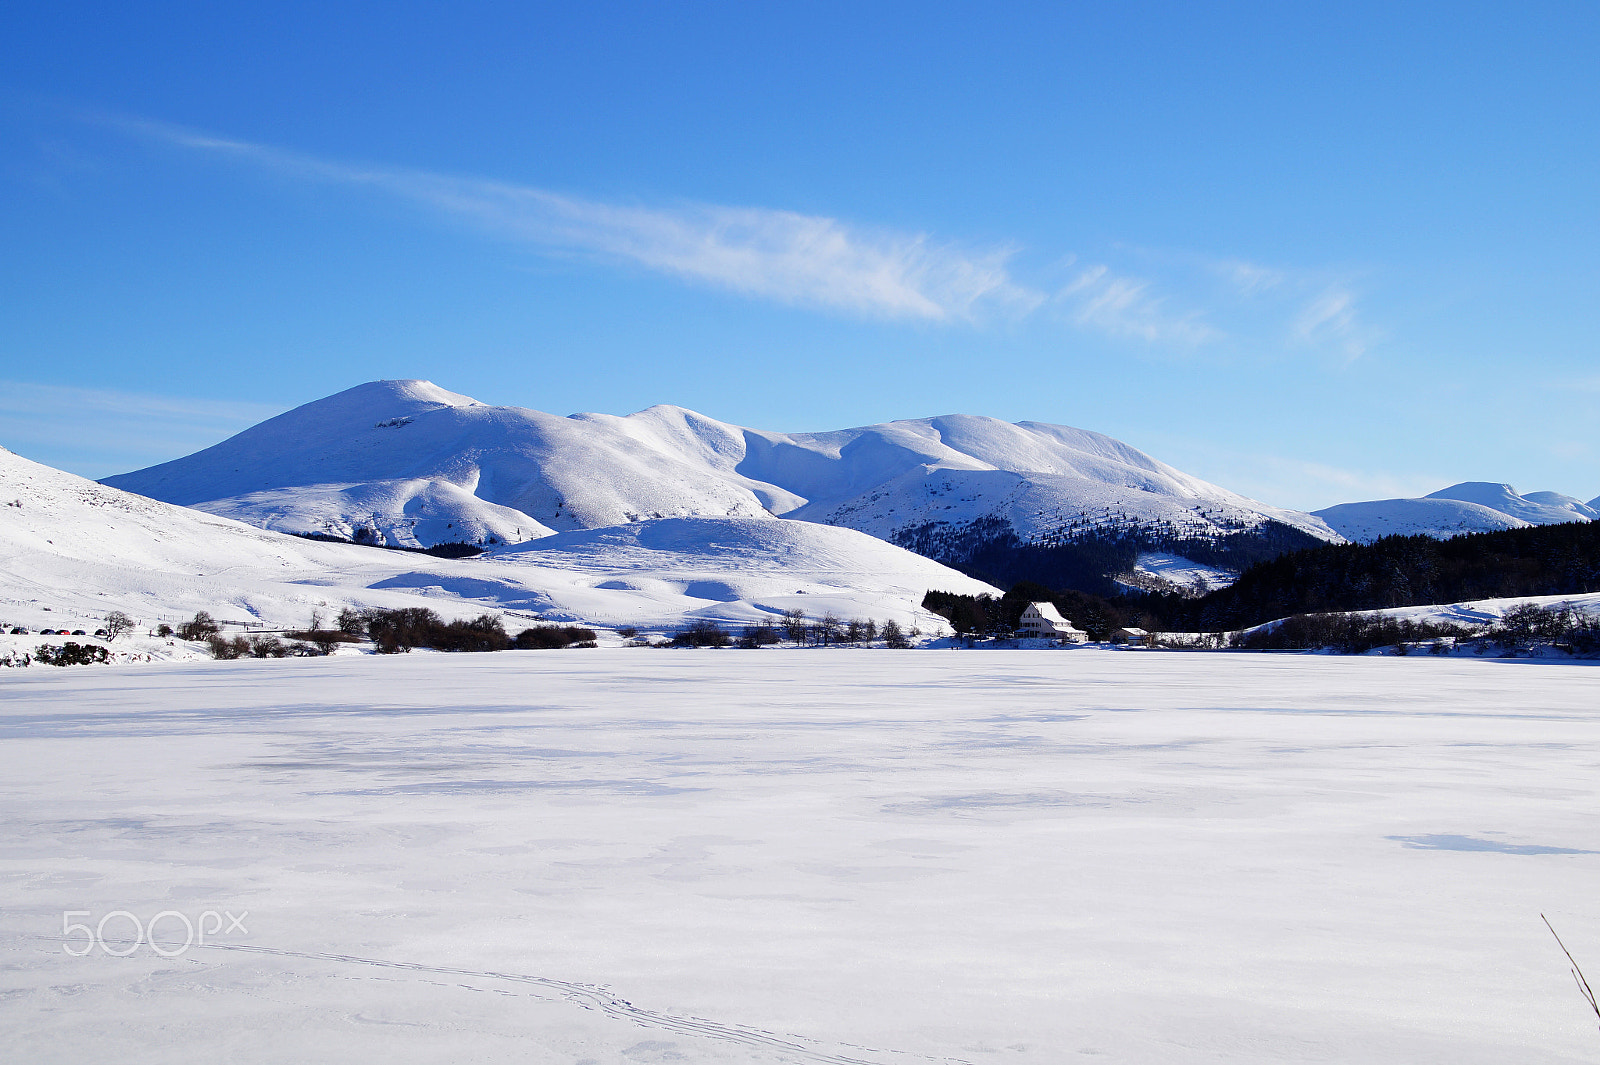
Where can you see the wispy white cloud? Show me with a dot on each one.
(1270, 307)
(1247, 278)
(98, 432)
(1329, 319)
(774, 254)
(1156, 298)
(1123, 306)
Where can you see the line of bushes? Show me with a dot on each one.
(391, 632)
(395, 631)
(554, 637)
(71, 654)
(265, 645)
(795, 627)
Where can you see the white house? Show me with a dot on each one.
(1042, 619)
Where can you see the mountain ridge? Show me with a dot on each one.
(1467, 507)
(415, 464)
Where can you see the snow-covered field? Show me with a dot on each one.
(803, 856)
(72, 550)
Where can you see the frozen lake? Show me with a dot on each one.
(617, 856)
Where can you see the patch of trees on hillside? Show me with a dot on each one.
(990, 550)
(1335, 578)
(1405, 571)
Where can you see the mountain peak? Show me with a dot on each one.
(403, 390)
(1486, 493)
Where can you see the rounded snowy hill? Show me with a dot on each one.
(734, 570)
(1469, 507)
(411, 463)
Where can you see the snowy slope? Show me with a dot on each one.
(71, 550)
(418, 464)
(1472, 506)
(733, 570)
(1477, 613)
(74, 549)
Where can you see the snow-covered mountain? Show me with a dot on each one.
(410, 463)
(72, 550)
(1535, 508)
(1471, 506)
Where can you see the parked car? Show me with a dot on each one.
(19, 631)
(79, 632)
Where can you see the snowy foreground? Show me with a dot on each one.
(802, 856)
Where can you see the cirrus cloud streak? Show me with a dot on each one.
(1191, 302)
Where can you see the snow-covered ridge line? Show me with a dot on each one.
(1468, 507)
(418, 465)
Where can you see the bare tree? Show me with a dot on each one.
(118, 623)
(794, 625)
(200, 627)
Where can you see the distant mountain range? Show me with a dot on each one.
(655, 517)
(408, 463)
(1472, 506)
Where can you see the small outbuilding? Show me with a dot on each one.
(1043, 619)
(1130, 635)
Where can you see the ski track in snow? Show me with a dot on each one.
(598, 998)
(603, 999)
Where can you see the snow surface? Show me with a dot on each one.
(1167, 571)
(1472, 506)
(1474, 613)
(72, 550)
(805, 856)
(421, 465)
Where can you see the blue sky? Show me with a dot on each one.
(1312, 252)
